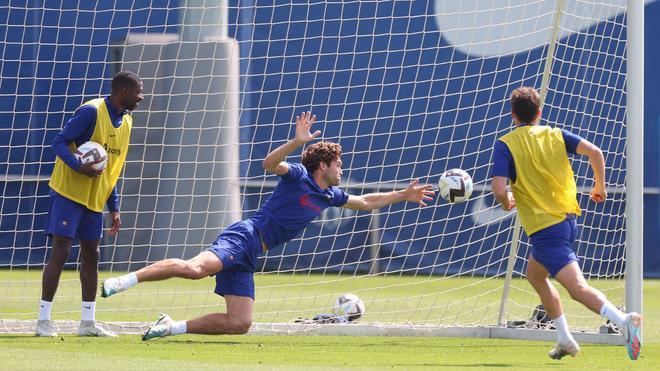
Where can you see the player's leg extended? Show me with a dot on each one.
(572, 279)
(203, 265)
(234, 260)
(537, 275)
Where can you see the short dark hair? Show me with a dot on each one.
(125, 79)
(321, 151)
(525, 104)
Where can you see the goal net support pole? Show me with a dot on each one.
(635, 156)
(517, 227)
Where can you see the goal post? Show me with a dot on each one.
(408, 88)
(635, 157)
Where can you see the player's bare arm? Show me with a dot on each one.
(413, 193)
(502, 194)
(597, 161)
(274, 162)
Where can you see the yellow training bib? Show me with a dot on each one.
(544, 189)
(94, 192)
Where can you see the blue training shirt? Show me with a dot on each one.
(296, 201)
(79, 129)
(503, 164)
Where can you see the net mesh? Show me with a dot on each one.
(409, 89)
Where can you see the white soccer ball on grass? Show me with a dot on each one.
(349, 306)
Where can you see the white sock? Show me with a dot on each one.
(611, 312)
(179, 327)
(128, 280)
(563, 333)
(44, 309)
(88, 310)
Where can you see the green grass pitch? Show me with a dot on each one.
(286, 352)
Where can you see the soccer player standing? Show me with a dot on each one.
(79, 192)
(534, 158)
(302, 193)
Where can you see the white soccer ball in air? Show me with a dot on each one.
(90, 152)
(455, 185)
(349, 306)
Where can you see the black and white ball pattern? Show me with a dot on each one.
(455, 185)
(91, 152)
(349, 306)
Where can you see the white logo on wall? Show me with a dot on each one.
(503, 27)
(483, 213)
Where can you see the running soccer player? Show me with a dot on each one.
(79, 192)
(302, 193)
(534, 159)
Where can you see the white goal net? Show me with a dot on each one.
(408, 88)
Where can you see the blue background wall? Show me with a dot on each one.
(368, 78)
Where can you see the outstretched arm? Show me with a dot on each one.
(597, 161)
(273, 163)
(413, 193)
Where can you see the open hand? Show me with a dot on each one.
(418, 193)
(304, 123)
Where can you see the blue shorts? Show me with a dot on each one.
(70, 219)
(553, 246)
(238, 248)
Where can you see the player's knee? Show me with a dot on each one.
(579, 291)
(535, 279)
(194, 271)
(90, 255)
(60, 254)
(241, 326)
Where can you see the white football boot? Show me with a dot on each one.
(46, 328)
(561, 350)
(89, 328)
(161, 328)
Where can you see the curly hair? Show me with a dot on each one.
(525, 104)
(321, 151)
